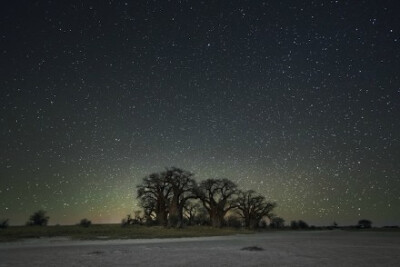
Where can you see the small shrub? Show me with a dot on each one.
(85, 223)
(4, 223)
(138, 219)
(364, 224)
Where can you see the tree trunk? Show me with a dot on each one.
(175, 218)
(161, 217)
(216, 218)
(253, 223)
(161, 213)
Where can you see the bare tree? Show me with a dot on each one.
(154, 195)
(191, 211)
(253, 207)
(149, 207)
(217, 196)
(183, 188)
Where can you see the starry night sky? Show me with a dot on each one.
(298, 100)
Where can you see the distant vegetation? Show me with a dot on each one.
(85, 223)
(277, 223)
(4, 223)
(38, 218)
(300, 224)
(364, 224)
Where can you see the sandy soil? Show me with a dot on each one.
(312, 248)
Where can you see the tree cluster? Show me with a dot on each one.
(169, 197)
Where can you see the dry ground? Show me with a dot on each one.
(308, 248)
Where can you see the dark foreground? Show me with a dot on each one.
(309, 248)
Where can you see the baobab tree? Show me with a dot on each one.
(183, 188)
(218, 197)
(253, 207)
(154, 195)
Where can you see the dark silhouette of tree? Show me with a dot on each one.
(202, 217)
(183, 188)
(294, 225)
(4, 223)
(364, 224)
(298, 225)
(127, 221)
(191, 210)
(277, 223)
(149, 207)
(154, 195)
(302, 224)
(137, 217)
(38, 218)
(217, 196)
(85, 223)
(253, 207)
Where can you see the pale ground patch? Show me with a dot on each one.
(308, 248)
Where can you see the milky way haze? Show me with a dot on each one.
(298, 100)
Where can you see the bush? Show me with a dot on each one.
(38, 218)
(138, 219)
(85, 223)
(4, 223)
(364, 224)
